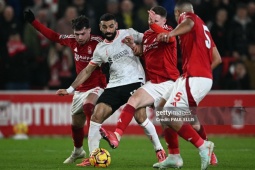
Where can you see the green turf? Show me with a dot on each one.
(133, 153)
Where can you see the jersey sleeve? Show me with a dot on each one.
(156, 28)
(96, 59)
(50, 34)
(138, 37)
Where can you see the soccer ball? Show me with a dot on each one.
(100, 158)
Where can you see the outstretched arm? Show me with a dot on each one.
(182, 28)
(48, 33)
(82, 76)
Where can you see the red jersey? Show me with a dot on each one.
(82, 54)
(196, 48)
(160, 58)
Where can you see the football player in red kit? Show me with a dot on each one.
(82, 44)
(199, 57)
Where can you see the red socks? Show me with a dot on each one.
(77, 135)
(88, 109)
(125, 118)
(202, 132)
(188, 133)
(171, 138)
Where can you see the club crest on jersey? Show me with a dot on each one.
(89, 50)
(77, 57)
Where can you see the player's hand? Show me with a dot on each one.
(138, 50)
(62, 92)
(29, 16)
(152, 17)
(164, 37)
(129, 41)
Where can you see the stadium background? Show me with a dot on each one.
(31, 67)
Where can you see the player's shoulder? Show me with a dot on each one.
(66, 36)
(96, 38)
(122, 31)
(185, 15)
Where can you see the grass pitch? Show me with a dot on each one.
(134, 153)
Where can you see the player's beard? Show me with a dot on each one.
(110, 38)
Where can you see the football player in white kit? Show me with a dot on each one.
(126, 75)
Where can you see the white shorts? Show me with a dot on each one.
(168, 93)
(157, 90)
(188, 94)
(79, 98)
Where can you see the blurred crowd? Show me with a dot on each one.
(29, 61)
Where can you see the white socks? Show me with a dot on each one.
(94, 136)
(150, 131)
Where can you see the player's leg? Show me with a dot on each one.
(101, 112)
(144, 96)
(108, 103)
(180, 98)
(202, 133)
(198, 94)
(89, 103)
(174, 159)
(139, 98)
(78, 120)
(171, 137)
(150, 131)
(103, 109)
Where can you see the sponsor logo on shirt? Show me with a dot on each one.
(82, 58)
(147, 47)
(120, 55)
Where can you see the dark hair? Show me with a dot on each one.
(159, 10)
(107, 17)
(183, 2)
(80, 22)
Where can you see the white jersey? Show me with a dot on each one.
(125, 67)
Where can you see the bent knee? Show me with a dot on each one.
(101, 113)
(78, 120)
(140, 116)
(134, 101)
